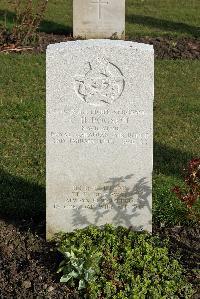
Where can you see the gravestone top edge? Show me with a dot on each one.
(99, 43)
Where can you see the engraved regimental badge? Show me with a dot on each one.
(101, 83)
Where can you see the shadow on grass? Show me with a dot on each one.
(52, 27)
(163, 24)
(7, 16)
(170, 161)
(21, 201)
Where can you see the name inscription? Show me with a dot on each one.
(105, 126)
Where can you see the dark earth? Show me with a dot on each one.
(165, 47)
(28, 263)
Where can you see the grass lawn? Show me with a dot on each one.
(143, 17)
(22, 98)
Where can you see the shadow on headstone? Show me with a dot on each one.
(118, 201)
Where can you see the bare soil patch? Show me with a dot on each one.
(28, 263)
(165, 47)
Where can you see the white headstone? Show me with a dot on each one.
(99, 19)
(99, 134)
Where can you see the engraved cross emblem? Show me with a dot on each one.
(100, 4)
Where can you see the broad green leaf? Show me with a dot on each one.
(81, 285)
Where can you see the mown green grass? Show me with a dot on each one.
(22, 97)
(162, 17)
(176, 132)
(143, 17)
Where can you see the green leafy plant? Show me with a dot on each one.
(118, 263)
(79, 266)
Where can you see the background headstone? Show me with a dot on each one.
(99, 18)
(99, 134)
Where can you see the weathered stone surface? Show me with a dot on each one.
(99, 18)
(99, 134)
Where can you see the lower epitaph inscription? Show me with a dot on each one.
(87, 197)
(99, 134)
